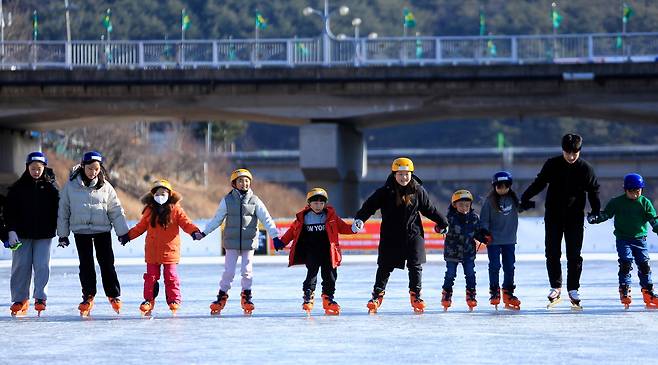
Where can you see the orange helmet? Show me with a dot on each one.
(317, 192)
(162, 183)
(239, 173)
(461, 195)
(402, 164)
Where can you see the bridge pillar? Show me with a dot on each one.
(333, 156)
(14, 146)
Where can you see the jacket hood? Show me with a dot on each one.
(47, 176)
(390, 181)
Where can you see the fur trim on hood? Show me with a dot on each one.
(174, 198)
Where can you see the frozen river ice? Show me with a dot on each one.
(279, 332)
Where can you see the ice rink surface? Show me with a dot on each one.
(279, 332)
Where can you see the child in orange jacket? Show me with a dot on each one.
(161, 217)
(315, 235)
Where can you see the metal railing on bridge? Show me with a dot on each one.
(522, 49)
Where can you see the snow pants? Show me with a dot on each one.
(171, 282)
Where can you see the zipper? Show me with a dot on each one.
(241, 202)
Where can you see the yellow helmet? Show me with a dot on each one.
(402, 164)
(461, 195)
(162, 183)
(317, 192)
(239, 173)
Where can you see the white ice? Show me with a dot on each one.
(279, 332)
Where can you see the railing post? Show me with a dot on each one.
(438, 57)
(215, 54)
(290, 53)
(141, 54)
(590, 48)
(68, 56)
(515, 50)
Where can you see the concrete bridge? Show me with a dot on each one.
(330, 104)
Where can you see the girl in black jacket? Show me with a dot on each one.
(400, 200)
(31, 215)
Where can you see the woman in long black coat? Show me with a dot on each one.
(401, 200)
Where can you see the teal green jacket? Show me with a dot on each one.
(631, 216)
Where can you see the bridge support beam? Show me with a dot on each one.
(333, 156)
(14, 146)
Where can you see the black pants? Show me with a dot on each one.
(384, 272)
(85, 244)
(317, 258)
(571, 227)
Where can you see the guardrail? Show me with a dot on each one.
(362, 52)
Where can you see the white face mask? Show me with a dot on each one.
(161, 199)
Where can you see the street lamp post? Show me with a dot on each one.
(356, 22)
(327, 35)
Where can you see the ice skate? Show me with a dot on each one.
(625, 296)
(115, 303)
(307, 305)
(575, 300)
(19, 309)
(173, 307)
(217, 306)
(86, 305)
(446, 299)
(246, 303)
(376, 301)
(331, 308)
(510, 300)
(417, 303)
(650, 298)
(471, 302)
(554, 297)
(39, 306)
(494, 299)
(147, 307)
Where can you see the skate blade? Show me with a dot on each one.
(576, 307)
(554, 303)
(248, 312)
(215, 313)
(419, 310)
(652, 307)
(372, 310)
(512, 307)
(331, 313)
(496, 307)
(626, 306)
(84, 314)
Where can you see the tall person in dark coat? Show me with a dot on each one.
(401, 200)
(569, 178)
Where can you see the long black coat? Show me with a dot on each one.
(3, 228)
(31, 209)
(401, 233)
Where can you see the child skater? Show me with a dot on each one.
(315, 243)
(632, 211)
(161, 217)
(242, 210)
(461, 243)
(401, 200)
(500, 216)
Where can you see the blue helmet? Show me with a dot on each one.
(92, 156)
(36, 157)
(633, 181)
(502, 177)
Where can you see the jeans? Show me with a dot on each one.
(451, 272)
(629, 249)
(507, 252)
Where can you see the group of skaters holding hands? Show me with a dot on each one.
(35, 211)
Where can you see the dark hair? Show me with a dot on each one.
(160, 214)
(494, 198)
(572, 143)
(404, 194)
(79, 170)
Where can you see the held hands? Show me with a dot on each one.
(198, 235)
(441, 230)
(12, 238)
(526, 205)
(278, 244)
(63, 242)
(593, 218)
(483, 236)
(357, 226)
(124, 239)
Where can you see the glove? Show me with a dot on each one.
(484, 236)
(441, 230)
(124, 239)
(278, 244)
(12, 238)
(198, 235)
(63, 242)
(526, 205)
(654, 225)
(593, 218)
(357, 226)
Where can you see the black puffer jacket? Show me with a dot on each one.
(401, 236)
(31, 209)
(3, 227)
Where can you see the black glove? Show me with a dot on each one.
(526, 205)
(593, 218)
(278, 244)
(63, 242)
(654, 225)
(124, 239)
(198, 235)
(483, 236)
(440, 230)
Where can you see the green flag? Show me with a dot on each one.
(483, 23)
(35, 25)
(409, 18)
(261, 23)
(627, 13)
(185, 20)
(107, 21)
(491, 46)
(556, 18)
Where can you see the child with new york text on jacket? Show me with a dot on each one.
(464, 236)
(161, 218)
(315, 243)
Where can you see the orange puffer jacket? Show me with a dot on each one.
(162, 243)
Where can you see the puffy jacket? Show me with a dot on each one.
(334, 225)
(3, 228)
(459, 243)
(32, 205)
(162, 243)
(89, 209)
